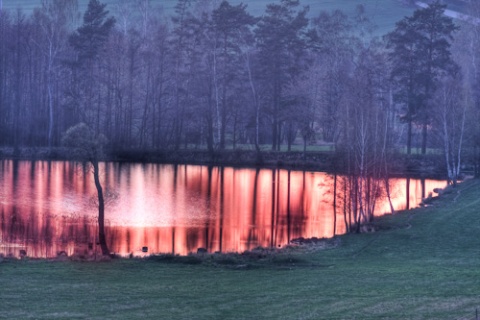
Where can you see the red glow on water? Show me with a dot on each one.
(48, 207)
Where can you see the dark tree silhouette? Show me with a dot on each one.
(86, 146)
(92, 35)
(88, 42)
(281, 38)
(229, 25)
(420, 54)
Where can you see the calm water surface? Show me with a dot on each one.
(48, 207)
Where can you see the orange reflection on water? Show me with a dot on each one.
(48, 207)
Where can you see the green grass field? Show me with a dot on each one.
(420, 264)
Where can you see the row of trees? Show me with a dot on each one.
(214, 75)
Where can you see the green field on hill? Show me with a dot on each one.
(419, 264)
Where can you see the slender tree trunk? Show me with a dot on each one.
(272, 222)
(210, 133)
(424, 137)
(101, 210)
(335, 204)
(50, 109)
(223, 121)
(407, 205)
(460, 143)
(253, 222)
(218, 123)
(345, 209)
(222, 207)
(255, 102)
(288, 206)
(275, 124)
(146, 114)
(129, 116)
(409, 137)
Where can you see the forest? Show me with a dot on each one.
(212, 76)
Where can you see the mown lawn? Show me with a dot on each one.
(420, 264)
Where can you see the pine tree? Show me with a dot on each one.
(420, 55)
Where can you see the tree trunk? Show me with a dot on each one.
(409, 137)
(101, 210)
(424, 137)
(407, 200)
(335, 204)
(50, 110)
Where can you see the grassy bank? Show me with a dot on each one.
(421, 264)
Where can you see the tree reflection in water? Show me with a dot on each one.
(45, 207)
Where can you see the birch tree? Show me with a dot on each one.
(451, 118)
(333, 53)
(467, 54)
(53, 18)
(229, 25)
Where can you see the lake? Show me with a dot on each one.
(48, 207)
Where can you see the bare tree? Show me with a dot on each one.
(86, 146)
(466, 52)
(333, 53)
(451, 117)
(365, 136)
(53, 18)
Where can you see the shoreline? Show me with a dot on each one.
(290, 253)
(400, 165)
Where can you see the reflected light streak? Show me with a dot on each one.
(48, 207)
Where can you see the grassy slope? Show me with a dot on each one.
(424, 264)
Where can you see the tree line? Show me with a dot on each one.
(213, 75)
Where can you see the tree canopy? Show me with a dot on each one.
(210, 75)
(420, 56)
